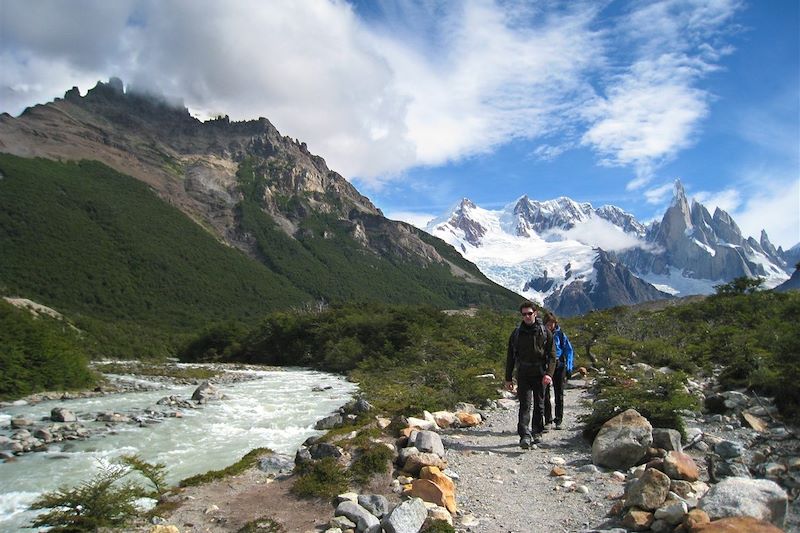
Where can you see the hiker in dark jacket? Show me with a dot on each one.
(564, 356)
(531, 353)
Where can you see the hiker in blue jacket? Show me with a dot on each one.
(564, 356)
(531, 355)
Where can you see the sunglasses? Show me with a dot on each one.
(529, 313)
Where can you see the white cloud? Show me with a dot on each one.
(423, 85)
(601, 233)
(420, 220)
(727, 199)
(658, 195)
(772, 204)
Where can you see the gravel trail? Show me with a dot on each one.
(503, 489)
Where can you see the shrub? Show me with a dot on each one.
(658, 399)
(371, 460)
(102, 501)
(438, 526)
(324, 478)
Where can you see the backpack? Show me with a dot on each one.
(541, 334)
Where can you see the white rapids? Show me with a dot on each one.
(278, 410)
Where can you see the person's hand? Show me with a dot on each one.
(546, 380)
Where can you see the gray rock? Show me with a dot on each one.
(342, 523)
(407, 517)
(21, 422)
(364, 520)
(321, 450)
(622, 441)
(728, 449)
(736, 496)
(719, 468)
(429, 441)
(276, 464)
(62, 414)
(376, 504)
(668, 439)
(329, 422)
(205, 392)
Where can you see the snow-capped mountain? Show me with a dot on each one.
(573, 257)
(689, 244)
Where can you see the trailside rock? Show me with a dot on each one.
(428, 441)
(678, 465)
(649, 491)
(736, 524)
(407, 517)
(444, 483)
(736, 496)
(667, 439)
(364, 520)
(622, 441)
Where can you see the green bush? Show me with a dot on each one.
(658, 399)
(371, 460)
(324, 478)
(103, 501)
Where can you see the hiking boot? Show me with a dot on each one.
(557, 426)
(525, 443)
(537, 438)
(546, 427)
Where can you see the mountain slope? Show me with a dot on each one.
(256, 191)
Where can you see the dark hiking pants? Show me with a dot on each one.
(530, 391)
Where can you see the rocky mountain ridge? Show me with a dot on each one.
(559, 252)
(249, 186)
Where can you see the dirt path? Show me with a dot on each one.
(502, 488)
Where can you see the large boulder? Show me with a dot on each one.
(622, 441)
(735, 496)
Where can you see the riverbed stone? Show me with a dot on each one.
(207, 391)
(667, 439)
(62, 414)
(679, 465)
(736, 524)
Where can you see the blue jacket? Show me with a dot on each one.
(564, 352)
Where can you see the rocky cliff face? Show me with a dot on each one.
(612, 285)
(702, 246)
(205, 168)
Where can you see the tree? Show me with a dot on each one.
(740, 285)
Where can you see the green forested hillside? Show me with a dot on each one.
(38, 354)
(102, 249)
(137, 274)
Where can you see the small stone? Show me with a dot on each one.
(558, 471)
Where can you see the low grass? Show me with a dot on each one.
(248, 461)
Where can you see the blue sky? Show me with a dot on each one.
(422, 103)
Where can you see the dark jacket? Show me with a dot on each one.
(531, 349)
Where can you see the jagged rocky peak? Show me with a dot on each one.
(725, 227)
(561, 213)
(463, 219)
(621, 219)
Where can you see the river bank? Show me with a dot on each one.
(277, 409)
